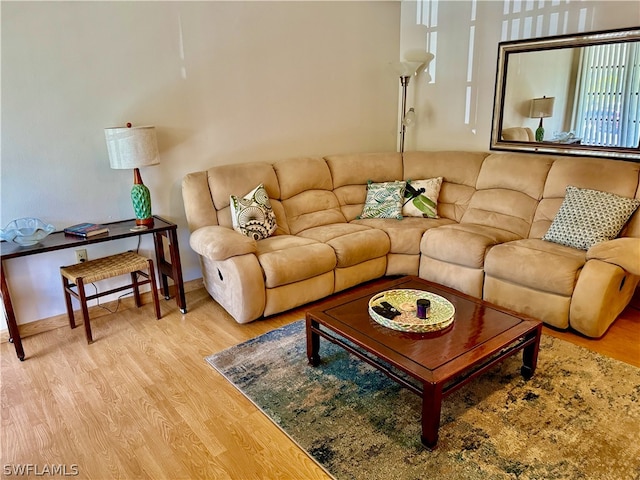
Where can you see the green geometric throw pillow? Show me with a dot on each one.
(252, 214)
(422, 198)
(587, 217)
(384, 200)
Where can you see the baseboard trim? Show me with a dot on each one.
(59, 321)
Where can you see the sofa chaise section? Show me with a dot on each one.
(501, 209)
(250, 278)
(351, 173)
(561, 285)
(313, 212)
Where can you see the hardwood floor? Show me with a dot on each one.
(141, 402)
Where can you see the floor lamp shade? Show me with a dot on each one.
(132, 148)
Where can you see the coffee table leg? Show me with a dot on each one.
(313, 343)
(431, 406)
(530, 356)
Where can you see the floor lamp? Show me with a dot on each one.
(416, 62)
(406, 70)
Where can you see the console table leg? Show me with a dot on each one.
(176, 267)
(431, 407)
(10, 316)
(171, 270)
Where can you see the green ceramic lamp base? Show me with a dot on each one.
(141, 198)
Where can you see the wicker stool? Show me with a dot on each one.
(80, 274)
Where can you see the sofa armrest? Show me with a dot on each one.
(624, 252)
(220, 243)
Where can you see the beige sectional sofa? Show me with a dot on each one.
(493, 208)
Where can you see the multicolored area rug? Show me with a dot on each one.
(577, 418)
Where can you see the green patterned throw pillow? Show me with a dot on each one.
(252, 214)
(384, 200)
(422, 198)
(587, 217)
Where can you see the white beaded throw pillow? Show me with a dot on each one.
(252, 214)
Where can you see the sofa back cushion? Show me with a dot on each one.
(459, 171)
(239, 179)
(508, 189)
(306, 193)
(614, 176)
(206, 194)
(198, 204)
(351, 172)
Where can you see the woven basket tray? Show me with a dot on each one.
(441, 314)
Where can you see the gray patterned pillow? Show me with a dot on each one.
(587, 217)
(384, 200)
(252, 214)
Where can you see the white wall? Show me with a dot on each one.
(455, 110)
(222, 82)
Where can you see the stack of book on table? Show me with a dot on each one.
(86, 230)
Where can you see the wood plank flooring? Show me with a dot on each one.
(141, 402)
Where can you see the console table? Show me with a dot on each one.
(167, 268)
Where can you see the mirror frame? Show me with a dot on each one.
(508, 48)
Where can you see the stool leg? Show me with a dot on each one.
(154, 289)
(67, 300)
(85, 310)
(136, 288)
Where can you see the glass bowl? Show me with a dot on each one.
(26, 231)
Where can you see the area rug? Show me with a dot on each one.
(577, 418)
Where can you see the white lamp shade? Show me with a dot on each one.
(542, 107)
(409, 118)
(407, 69)
(132, 147)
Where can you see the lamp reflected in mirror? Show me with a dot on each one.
(541, 108)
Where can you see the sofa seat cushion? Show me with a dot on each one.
(353, 244)
(287, 259)
(405, 234)
(463, 244)
(537, 264)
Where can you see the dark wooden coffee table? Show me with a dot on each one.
(481, 336)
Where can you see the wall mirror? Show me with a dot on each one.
(573, 94)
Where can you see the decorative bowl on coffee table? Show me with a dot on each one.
(441, 314)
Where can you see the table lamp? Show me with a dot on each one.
(541, 108)
(134, 147)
